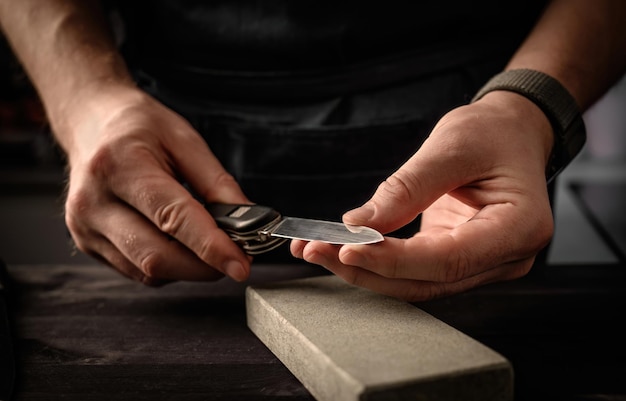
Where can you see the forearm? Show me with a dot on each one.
(68, 51)
(581, 43)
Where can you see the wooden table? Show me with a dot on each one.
(86, 333)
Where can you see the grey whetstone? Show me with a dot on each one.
(347, 343)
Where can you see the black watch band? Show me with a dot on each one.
(558, 105)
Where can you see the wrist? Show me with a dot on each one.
(530, 119)
(80, 115)
(555, 102)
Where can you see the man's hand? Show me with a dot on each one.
(479, 180)
(125, 202)
(128, 154)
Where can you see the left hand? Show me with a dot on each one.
(479, 180)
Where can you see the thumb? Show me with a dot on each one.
(395, 203)
(429, 174)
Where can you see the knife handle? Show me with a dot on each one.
(241, 218)
(245, 224)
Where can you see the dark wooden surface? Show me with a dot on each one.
(86, 333)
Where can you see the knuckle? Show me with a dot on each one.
(77, 211)
(104, 162)
(171, 217)
(112, 159)
(78, 202)
(399, 186)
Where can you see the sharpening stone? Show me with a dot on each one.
(347, 343)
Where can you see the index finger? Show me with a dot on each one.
(173, 210)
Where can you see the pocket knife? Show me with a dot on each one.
(259, 229)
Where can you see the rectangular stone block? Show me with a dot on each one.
(348, 343)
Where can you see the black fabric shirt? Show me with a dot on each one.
(283, 35)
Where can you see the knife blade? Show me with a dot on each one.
(259, 229)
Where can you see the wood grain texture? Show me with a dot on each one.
(86, 333)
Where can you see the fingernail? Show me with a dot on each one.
(235, 270)
(360, 215)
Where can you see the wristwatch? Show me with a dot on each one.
(558, 105)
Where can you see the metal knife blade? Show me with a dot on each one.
(325, 231)
(259, 229)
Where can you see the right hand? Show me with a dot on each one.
(126, 206)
